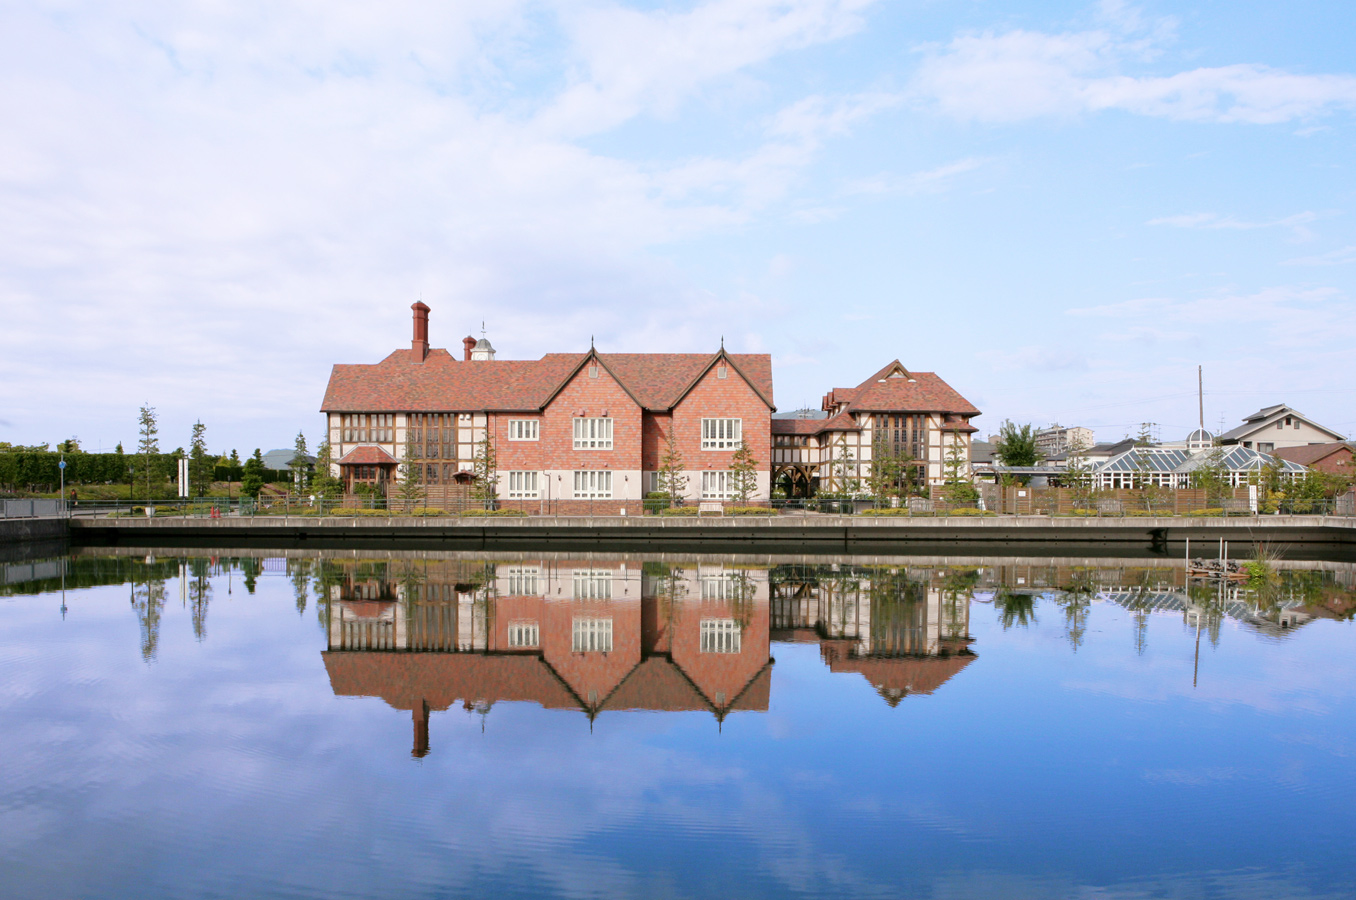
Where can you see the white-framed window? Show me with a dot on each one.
(720, 636)
(521, 581)
(593, 485)
(377, 428)
(523, 486)
(524, 634)
(593, 434)
(717, 485)
(592, 584)
(720, 586)
(591, 635)
(524, 429)
(722, 434)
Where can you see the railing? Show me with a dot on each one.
(1034, 504)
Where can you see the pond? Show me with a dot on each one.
(379, 724)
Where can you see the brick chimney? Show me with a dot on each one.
(470, 344)
(420, 342)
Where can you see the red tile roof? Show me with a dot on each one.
(441, 679)
(797, 426)
(919, 392)
(895, 677)
(442, 383)
(1311, 453)
(367, 456)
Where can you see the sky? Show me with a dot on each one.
(1062, 208)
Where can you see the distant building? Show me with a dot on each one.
(1057, 440)
(1275, 427)
(1334, 458)
(1172, 467)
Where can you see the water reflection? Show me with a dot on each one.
(605, 636)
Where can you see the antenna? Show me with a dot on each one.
(1200, 394)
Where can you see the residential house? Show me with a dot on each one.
(1334, 457)
(1274, 427)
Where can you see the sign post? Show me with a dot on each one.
(61, 466)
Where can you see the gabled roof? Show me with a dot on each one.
(1265, 418)
(841, 422)
(442, 383)
(367, 455)
(1312, 453)
(895, 389)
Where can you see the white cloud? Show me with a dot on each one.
(1331, 258)
(1216, 222)
(1022, 74)
(210, 205)
(932, 180)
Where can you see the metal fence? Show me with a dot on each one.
(31, 509)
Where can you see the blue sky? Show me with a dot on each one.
(1061, 208)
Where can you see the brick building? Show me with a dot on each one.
(572, 432)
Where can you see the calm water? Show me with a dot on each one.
(448, 726)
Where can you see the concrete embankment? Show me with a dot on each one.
(31, 538)
(1329, 537)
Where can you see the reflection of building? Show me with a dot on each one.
(904, 636)
(592, 636)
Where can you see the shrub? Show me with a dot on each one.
(750, 511)
(1213, 511)
(352, 512)
(494, 513)
(679, 511)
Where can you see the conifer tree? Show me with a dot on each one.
(411, 490)
(148, 445)
(672, 469)
(486, 488)
(199, 463)
(744, 473)
(253, 478)
(298, 465)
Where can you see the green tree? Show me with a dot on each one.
(744, 472)
(253, 479)
(672, 477)
(299, 464)
(843, 469)
(411, 490)
(1078, 475)
(891, 472)
(1212, 476)
(323, 483)
(1149, 490)
(958, 486)
(199, 462)
(486, 471)
(148, 446)
(70, 445)
(235, 458)
(1016, 445)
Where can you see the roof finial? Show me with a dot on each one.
(590, 342)
(722, 342)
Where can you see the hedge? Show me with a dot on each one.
(40, 467)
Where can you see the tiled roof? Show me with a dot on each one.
(918, 392)
(797, 426)
(841, 422)
(367, 455)
(441, 679)
(442, 383)
(1311, 453)
(657, 684)
(895, 677)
